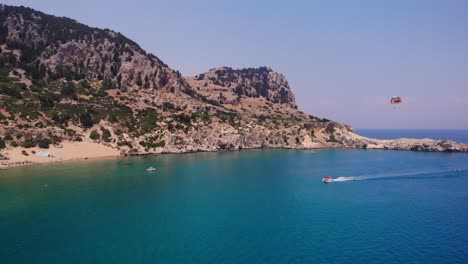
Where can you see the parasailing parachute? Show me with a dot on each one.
(396, 100)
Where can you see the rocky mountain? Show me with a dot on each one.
(64, 81)
(252, 82)
(51, 48)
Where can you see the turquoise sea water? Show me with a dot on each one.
(253, 206)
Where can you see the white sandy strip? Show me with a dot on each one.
(70, 151)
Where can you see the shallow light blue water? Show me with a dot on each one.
(256, 206)
(457, 135)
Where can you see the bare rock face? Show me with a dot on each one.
(260, 82)
(53, 48)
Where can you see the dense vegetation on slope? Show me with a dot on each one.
(62, 80)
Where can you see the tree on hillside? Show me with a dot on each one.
(86, 120)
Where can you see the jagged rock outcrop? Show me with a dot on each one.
(251, 82)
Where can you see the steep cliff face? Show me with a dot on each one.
(51, 48)
(260, 82)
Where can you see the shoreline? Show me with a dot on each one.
(103, 156)
(69, 151)
(10, 166)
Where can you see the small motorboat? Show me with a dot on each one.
(151, 169)
(327, 179)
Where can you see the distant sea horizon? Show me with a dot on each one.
(458, 135)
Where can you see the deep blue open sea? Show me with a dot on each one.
(252, 206)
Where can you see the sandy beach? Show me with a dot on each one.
(69, 151)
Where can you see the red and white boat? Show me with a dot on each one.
(327, 179)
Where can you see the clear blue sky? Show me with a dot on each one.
(344, 59)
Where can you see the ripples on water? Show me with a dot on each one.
(259, 206)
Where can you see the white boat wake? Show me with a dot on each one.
(352, 178)
(406, 176)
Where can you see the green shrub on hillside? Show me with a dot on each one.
(160, 144)
(94, 135)
(48, 100)
(106, 135)
(29, 143)
(86, 120)
(202, 115)
(69, 90)
(70, 132)
(333, 139)
(44, 143)
(330, 129)
(11, 89)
